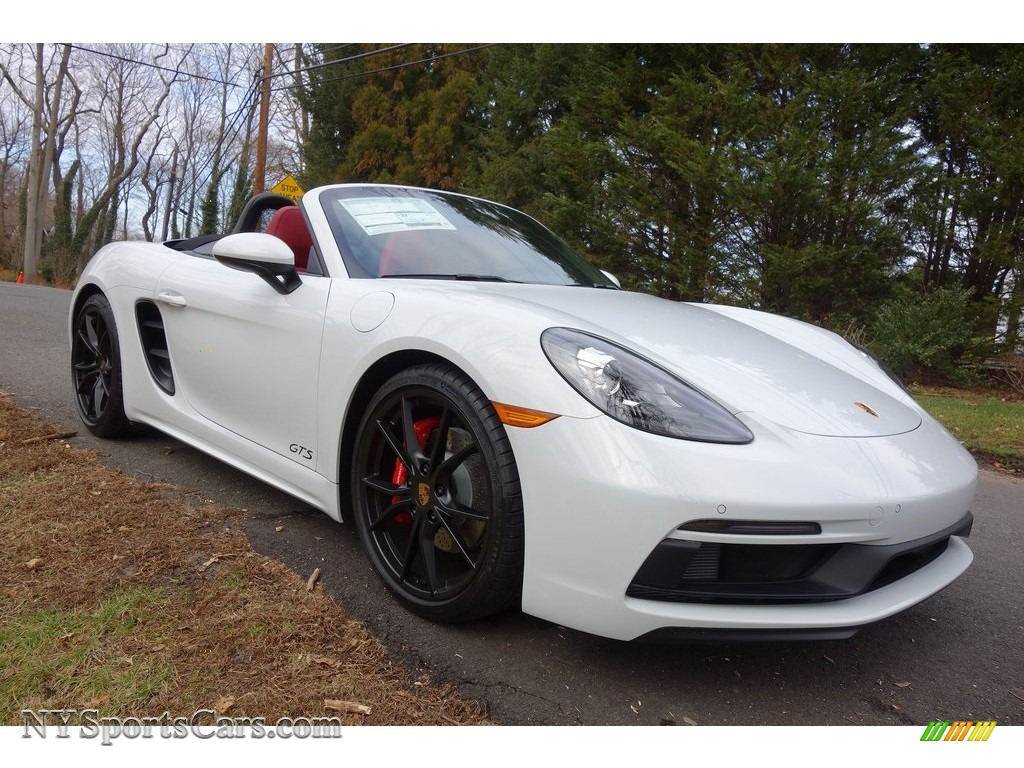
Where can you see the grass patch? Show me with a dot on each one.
(117, 595)
(989, 426)
(70, 655)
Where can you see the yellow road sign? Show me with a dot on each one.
(288, 187)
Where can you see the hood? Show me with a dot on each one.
(743, 368)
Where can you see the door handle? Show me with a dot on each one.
(173, 298)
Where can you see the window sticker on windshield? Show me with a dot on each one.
(380, 215)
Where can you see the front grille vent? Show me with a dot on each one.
(704, 565)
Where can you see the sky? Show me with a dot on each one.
(519, 21)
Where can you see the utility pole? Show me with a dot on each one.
(259, 182)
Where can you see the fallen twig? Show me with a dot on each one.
(348, 707)
(312, 579)
(217, 558)
(44, 438)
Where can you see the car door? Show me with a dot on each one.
(246, 357)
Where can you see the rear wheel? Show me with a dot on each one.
(96, 369)
(436, 495)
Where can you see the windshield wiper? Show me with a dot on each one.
(606, 286)
(460, 276)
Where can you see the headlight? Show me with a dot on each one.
(637, 392)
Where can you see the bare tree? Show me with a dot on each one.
(290, 118)
(45, 103)
(153, 176)
(130, 101)
(121, 138)
(14, 123)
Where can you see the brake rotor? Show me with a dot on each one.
(465, 478)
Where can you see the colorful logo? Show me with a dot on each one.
(958, 730)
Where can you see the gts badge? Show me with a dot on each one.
(301, 451)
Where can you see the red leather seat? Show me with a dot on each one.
(289, 226)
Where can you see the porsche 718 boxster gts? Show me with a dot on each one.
(506, 427)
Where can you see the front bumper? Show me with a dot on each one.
(601, 497)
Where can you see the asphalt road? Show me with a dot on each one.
(958, 655)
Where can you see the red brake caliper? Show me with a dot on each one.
(423, 429)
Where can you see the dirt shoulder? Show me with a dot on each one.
(132, 598)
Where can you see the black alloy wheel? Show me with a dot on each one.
(96, 369)
(436, 493)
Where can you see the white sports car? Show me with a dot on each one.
(507, 427)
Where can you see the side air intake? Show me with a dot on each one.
(154, 345)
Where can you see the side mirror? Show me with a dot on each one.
(605, 272)
(264, 255)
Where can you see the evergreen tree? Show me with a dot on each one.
(210, 208)
(803, 179)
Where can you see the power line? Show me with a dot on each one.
(403, 65)
(342, 60)
(336, 47)
(290, 72)
(155, 66)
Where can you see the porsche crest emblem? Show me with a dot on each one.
(867, 409)
(423, 494)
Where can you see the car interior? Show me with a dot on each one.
(272, 214)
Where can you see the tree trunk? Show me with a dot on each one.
(1015, 313)
(33, 216)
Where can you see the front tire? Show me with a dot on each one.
(96, 369)
(436, 495)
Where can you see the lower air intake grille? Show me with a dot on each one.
(711, 572)
(705, 563)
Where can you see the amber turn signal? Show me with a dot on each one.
(514, 416)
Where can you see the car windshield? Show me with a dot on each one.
(407, 232)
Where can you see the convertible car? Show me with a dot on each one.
(506, 427)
